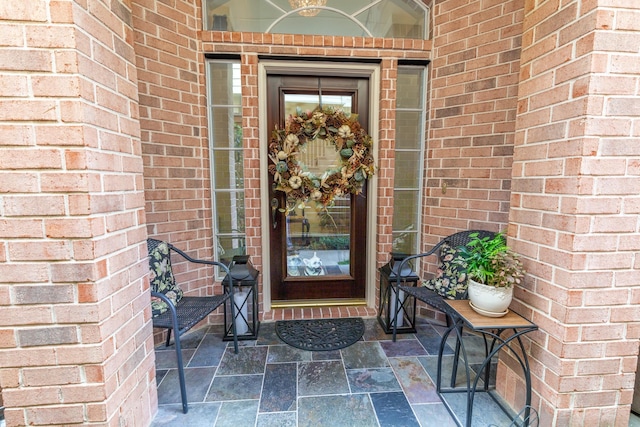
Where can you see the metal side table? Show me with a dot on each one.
(463, 316)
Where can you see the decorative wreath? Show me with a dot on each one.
(344, 133)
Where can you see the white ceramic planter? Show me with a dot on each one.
(489, 300)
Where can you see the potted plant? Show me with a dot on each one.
(493, 269)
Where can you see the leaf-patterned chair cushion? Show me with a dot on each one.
(450, 280)
(162, 279)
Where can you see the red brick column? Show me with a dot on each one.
(75, 337)
(575, 207)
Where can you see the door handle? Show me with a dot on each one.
(274, 212)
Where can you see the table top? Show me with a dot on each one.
(511, 320)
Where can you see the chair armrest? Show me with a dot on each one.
(206, 262)
(172, 308)
(406, 260)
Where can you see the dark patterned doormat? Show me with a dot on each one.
(320, 334)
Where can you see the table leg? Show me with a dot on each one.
(456, 357)
(456, 326)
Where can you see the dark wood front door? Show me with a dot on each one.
(317, 254)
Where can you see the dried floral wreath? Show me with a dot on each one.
(344, 133)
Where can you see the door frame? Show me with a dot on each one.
(365, 70)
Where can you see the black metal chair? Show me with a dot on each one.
(175, 312)
(429, 296)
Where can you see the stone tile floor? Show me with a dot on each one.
(374, 382)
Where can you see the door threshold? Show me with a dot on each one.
(319, 303)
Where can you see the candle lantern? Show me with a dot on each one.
(245, 298)
(406, 313)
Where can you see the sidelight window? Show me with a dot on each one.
(226, 157)
(409, 154)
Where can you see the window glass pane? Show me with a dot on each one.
(227, 169)
(405, 241)
(226, 157)
(224, 87)
(405, 209)
(409, 85)
(395, 19)
(408, 129)
(229, 246)
(326, 22)
(226, 127)
(407, 170)
(240, 15)
(349, 7)
(409, 175)
(368, 18)
(229, 211)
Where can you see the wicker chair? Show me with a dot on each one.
(175, 312)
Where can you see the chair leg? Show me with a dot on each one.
(166, 344)
(183, 387)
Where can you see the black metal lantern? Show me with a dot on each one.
(406, 315)
(245, 298)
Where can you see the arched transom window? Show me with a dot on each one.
(363, 18)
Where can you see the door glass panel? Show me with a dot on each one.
(318, 241)
(310, 102)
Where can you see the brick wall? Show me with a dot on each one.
(251, 166)
(173, 123)
(492, 136)
(575, 207)
(474, 84)
(75, 340)
(248, 46)
(72, 223)
(472, 108)
(174, 126)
